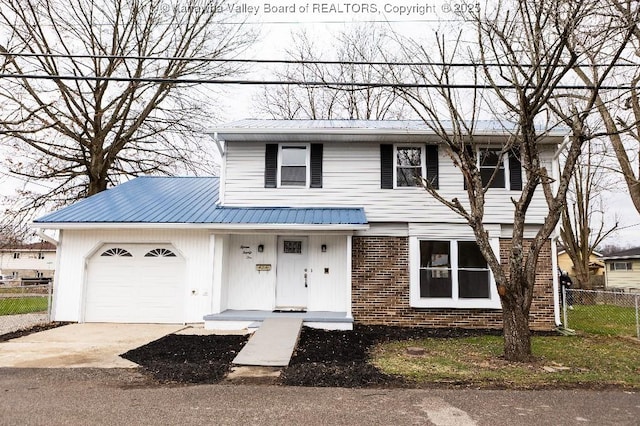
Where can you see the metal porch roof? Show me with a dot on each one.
(187, 200)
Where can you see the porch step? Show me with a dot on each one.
(272, 344)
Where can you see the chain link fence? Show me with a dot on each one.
(612, 313)
(24, 306)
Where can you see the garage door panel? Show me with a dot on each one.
(137, 288)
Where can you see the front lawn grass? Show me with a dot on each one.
(23, 305)
(608, 320)
(590, 361)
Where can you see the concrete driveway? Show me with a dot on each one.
(81, 345)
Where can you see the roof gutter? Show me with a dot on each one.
(208, 226)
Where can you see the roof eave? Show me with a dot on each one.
(244, 134)
(209, 226)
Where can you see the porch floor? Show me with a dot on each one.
(272, 344)
(309, 316)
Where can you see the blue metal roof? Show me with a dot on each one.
(188, 200)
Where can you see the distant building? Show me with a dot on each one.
(596, 265)
(27, 263)
(623, 270)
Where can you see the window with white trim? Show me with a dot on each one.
(294, 165)
(491, 165)
(451, 273)
(409, 166)
(621, 266)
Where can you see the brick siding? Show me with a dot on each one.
(380, 290)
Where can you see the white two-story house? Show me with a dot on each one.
(319, 219)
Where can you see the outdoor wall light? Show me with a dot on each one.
(260, 248)
(323, 248)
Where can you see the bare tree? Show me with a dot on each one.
(620, 110)
(351, 54)
(525, 52)
(583, 217)
(79, 110)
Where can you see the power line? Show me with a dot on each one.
(302, 83)
(11, 55)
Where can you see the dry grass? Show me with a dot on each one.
(590, 361)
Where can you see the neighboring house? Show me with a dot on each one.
(596, 265)
(27, 263)
(623, 270)
(316, 216)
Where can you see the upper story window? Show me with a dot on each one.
(409, 166)
(452, 274)
(621, 266)
(293, 165)
(492, 166)
(506, 171)
(405, 165)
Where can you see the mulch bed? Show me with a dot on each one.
(322, 358)
(188, 359)
(30, 330)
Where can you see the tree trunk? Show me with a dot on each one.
(517, 338)
(96, 185)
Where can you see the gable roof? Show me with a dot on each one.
(630, 253)
(357, 130)
(189, 201)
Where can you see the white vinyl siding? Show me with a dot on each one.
(351, 177)
(247, 288)
(623, 278)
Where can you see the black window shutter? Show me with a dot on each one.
(316, 165)
(271, 165)
(386, 166)
(515, 171)
(431, 152)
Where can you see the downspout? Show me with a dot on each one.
(52, 287)
(223, 168)
(556, 290)
(555, 173)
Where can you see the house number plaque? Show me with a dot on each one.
(263, 267)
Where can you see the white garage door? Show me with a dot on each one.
(135, 284)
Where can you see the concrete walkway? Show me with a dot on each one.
(272, 344)
(94, 345)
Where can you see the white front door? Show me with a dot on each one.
(291, 288)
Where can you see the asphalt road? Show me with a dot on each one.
(124, 397)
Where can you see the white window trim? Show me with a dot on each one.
(307, 146)
(415, 301)
(625, 262)
(423, 162)
(505, 164)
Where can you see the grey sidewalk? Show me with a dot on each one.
(272, 344)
